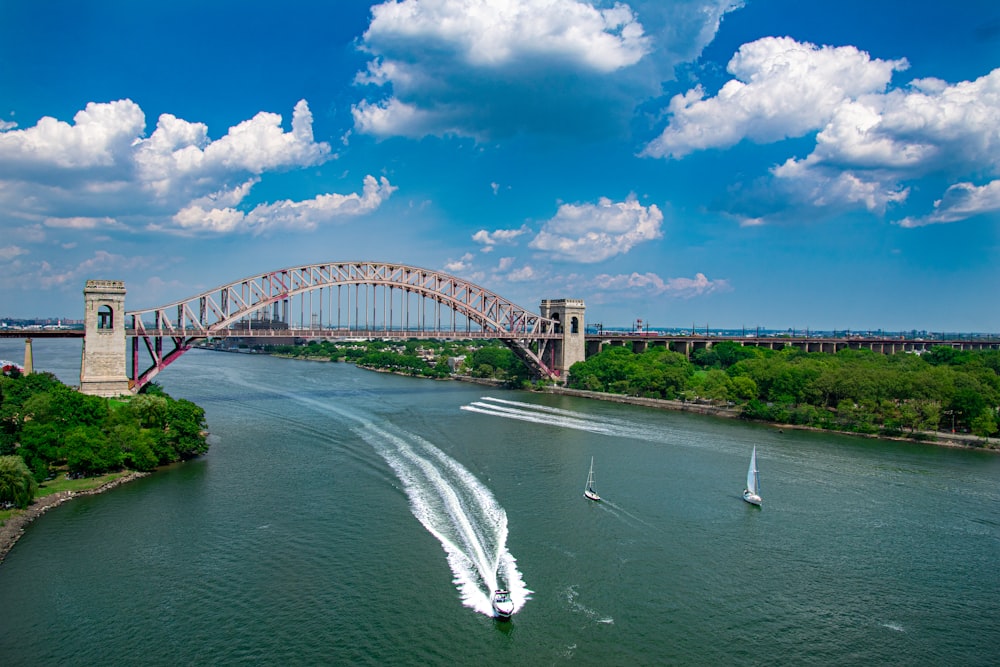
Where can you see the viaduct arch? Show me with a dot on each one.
(333, 300)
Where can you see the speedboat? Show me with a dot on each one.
(503, 606)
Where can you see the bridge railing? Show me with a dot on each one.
(193, 333)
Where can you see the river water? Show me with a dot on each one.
(350, 517)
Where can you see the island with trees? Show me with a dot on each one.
(54, 439)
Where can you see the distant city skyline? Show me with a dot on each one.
(725, 162)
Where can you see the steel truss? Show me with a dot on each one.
(231, 311)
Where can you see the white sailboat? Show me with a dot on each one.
(751, 494)
(588, 491)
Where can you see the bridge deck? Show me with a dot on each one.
(341, 334)
(41, 333)
(810, 343)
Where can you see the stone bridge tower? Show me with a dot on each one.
(102, 370)
(573, 346)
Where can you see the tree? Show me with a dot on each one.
(90, 452)
(717, 386)
(136, 446)
(966, 405)
(985, 424)
(744, 388)
(17, 484)
(186, 429)
(41, 445)
(149, 409)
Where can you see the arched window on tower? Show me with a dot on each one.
(555, 316)
(574, 325)
(105, 318)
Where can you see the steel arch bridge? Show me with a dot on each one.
(339, 300)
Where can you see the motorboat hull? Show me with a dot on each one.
(503, 606)
(502, 614)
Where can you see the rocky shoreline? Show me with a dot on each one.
(13, 528)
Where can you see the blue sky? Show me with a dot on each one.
(770, 163)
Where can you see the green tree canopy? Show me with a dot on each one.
(17, 484)
(49, 425)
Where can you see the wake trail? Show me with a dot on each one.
(627, 516)
(540, 414)
(580, 424)
(458, 510)
(556, 411)
(449, 501)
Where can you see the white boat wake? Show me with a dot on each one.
(459, 511)
(572, 599)
(543, 414)
(451, 504)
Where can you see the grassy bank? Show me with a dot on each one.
(62, 483)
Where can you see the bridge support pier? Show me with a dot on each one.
(29, 358)
(573, 345)
(103, 367)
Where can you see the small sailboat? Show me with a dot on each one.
(751, 494)
(503, 606)
(588, 491)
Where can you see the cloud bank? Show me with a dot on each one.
(102, 172)
(870, 141)
(492, 69)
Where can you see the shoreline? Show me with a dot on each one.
(937, 439)
(13, 528)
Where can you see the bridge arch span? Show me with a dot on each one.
(394, 305)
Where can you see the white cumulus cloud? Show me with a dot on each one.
(179, 157)
(878, 143)
(499, 32)
(641, 285)
(781, 88)
(287, 214)
(102, 171)
(482, 68)
(589, 233)
(101, 135)
(960, 201)
(457, 266)
(873, 142)
(489, 240)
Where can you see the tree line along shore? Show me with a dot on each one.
(927, 396)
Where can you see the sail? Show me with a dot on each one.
(590, 476)
(753, 485)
